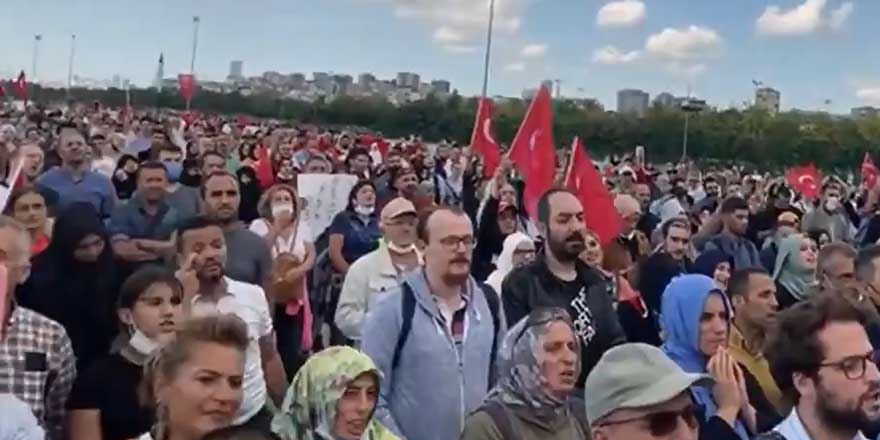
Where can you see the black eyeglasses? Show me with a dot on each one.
(854, 367)
(663, 423)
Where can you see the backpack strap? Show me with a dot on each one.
(501, 419)
(407, 310)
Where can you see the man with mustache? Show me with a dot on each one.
(822, 359)
(249, 258)
(202, 256)
(558, 278)
(435, 338)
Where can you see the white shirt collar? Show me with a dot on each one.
(793, 429)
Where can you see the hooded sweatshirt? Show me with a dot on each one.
(683, 303)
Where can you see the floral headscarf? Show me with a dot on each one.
(309, 408)
(521, 383)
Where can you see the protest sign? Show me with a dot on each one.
(325, 196)
(6, 189)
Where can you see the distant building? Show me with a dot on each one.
(441, 86)
(365, 82)
(343, 85)
(768, 99)
(632, 101)
(296, 81)
(665, 100)
(866, 112)
(529, 94)
(236, 70)
(323, 81)
(407, 80)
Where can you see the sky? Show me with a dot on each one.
(809, 50)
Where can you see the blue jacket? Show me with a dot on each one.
(434, 388)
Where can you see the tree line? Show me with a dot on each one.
(746, 136)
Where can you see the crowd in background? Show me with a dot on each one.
(163, 283)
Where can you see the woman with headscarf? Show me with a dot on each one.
(518, 250)
(249, 188)
(333, 397)
(714, 264)
(695, 320)
(795, 269)
(125, 177)
(538, 365)
(75, 282)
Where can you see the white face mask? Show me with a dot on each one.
(281, 208)
(832, 203)
(400, 249)
(141, 343)
(364, 210)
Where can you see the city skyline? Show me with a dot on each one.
(812, 51)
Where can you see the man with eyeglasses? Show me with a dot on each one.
(558, 278)
(822, 359)
(637, 393)
(435, 338)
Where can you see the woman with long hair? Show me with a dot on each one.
(29, 207)
(293, 254)
(104, 404)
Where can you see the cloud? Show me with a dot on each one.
(611, 55)
(804, 19)
(840, 15)
(534, 50)
(622, 13)
(457, 24)
(869, 94)
(515, 67)
(458, 49)
(688, 44)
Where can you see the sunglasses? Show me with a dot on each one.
(663, 423)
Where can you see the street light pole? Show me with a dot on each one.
(70, 64)
(37, 39)
(192, 64)
(488, 47)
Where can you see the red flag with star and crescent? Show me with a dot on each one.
(532, 150)
(583, 179)
(483, 139)
(869, 172)
(805, 179)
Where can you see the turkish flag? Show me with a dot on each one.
(264, 167)
(483, 140)
(869, 172)
(187, 82)
(190, 117)
(584, 180)
(2, 91)
(21, 87)
(532, 150)
(804, 179)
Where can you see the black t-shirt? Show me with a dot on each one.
(110, 386)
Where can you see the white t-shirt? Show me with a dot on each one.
(247, 302)
(295, 244)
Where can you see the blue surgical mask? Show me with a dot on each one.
(174, 170)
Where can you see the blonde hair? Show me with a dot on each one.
(225, 330)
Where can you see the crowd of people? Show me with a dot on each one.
(162, 282)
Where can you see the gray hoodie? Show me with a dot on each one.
(436, 385)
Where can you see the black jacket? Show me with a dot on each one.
(591, 309)
(655, 274)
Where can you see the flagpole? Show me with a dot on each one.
(192, 64)
(488, 47)
(70, 64)
(37, 39)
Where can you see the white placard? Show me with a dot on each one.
(325, 196)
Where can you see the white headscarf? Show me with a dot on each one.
(17, 422)
(505, 261)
